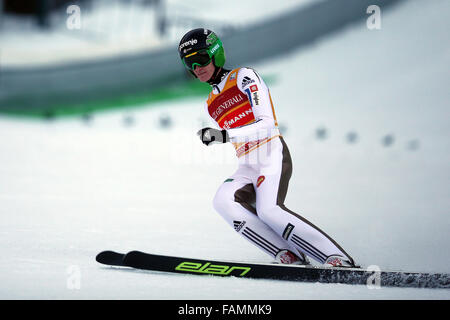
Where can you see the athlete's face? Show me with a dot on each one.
(204, 73)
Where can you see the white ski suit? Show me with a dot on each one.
(252, 199)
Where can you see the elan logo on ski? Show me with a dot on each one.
(209, 268)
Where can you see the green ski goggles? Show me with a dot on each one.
(202, 57)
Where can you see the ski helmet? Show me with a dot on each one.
(199, 47)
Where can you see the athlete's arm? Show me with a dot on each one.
(251, 84)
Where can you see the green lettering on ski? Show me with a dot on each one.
(215, 269)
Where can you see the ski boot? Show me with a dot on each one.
(288, 257)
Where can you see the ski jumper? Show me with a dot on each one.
(252, 199)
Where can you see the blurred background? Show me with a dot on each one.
(79, 48)
(98, 147)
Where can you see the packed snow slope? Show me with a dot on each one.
(365, 114)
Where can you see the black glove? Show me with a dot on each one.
(210, 135)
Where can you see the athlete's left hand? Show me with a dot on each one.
(210, 136)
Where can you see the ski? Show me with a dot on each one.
(110, 258)
(162, 263)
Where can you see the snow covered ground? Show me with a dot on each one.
(71, 188)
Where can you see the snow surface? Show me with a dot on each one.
(71, 188)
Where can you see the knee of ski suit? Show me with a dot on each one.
(272, 216)
(224, 200)
(231, 199)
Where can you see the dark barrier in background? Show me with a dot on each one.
(42, 90)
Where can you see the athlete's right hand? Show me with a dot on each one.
(210, 136)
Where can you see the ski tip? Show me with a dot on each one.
(100, 256)
(109, 257)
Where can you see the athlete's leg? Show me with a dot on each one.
(234, 201)
(271, 186)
